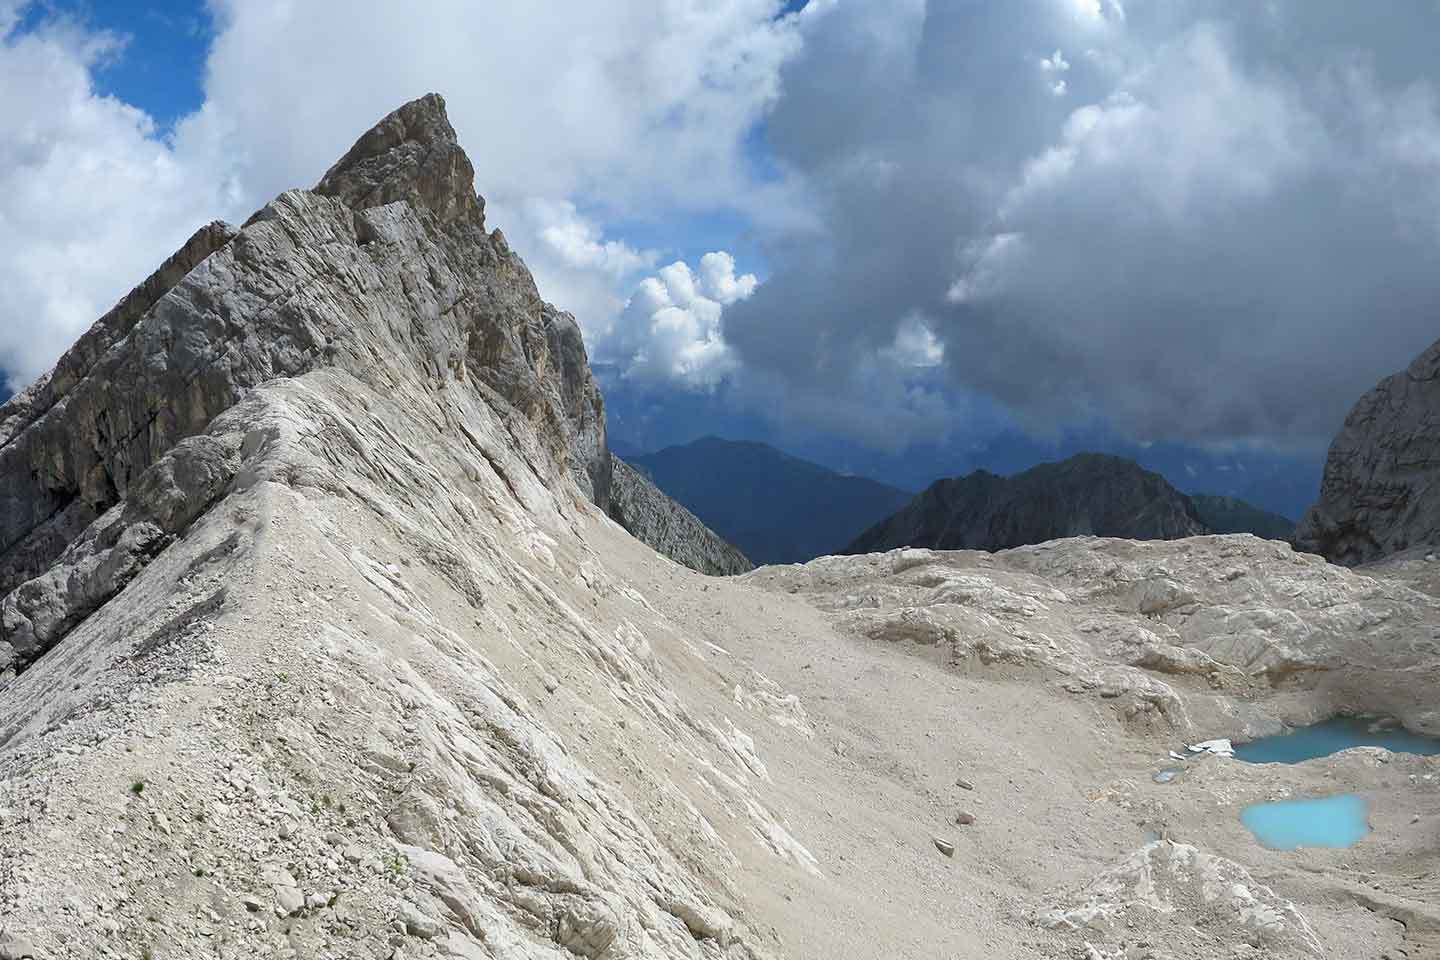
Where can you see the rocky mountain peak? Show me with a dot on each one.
(1090, 494)
(412, 154)
(1378, 495)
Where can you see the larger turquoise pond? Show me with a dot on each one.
(1338, 821)
(1332, 736)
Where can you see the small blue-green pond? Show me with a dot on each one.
(1338, 821)
(1332, 736)
(1327, 822)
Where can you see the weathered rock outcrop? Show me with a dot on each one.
(314, 482)
(384, 271)
(1380, 492)
(1088, 494)
(1127, 621)
(653, 518)
(1176, 880)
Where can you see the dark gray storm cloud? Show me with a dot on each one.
(1206, 222)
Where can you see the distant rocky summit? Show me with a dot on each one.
(1380, 492)
(1088, 494)
(651, 517)
(1233, 515)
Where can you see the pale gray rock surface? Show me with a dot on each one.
(405, 279)
(1380, 492)
(651, 517)
(1189, 887)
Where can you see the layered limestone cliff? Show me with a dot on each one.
(320, 643)
(1380, 493)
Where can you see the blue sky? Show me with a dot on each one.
(161, 68)
(899, 237)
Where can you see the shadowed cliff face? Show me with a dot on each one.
(1086, 495)
(1379, 494)
(384, 272)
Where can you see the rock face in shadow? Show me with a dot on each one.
(1089, 494)
(653, 518)
(1379, 494)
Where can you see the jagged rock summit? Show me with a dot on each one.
(255, 509)
(413, 154)
(1380, 492)
(1090, 494)
(382, 275)
(320, 643)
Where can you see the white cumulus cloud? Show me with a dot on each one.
(670, 331)
(91, 200)
(575, 114)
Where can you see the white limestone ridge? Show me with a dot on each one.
(317, 641)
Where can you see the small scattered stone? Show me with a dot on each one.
(944, 846)
(418, 923)
(289, 901)
(13, 947)
(964, 819)
(964, 784)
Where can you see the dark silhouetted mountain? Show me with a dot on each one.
(1232, 515)
(650, 516)
(1090, 493)
(640, 417)
(774, 507)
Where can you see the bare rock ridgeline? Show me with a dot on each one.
(384, 272)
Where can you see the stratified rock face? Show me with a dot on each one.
(384, 271)
(1087, 495)
(1379, 493)
(653, 518)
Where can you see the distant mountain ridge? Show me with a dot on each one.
(1233, 515)
(649, 515)
(774, 507)
(1089, 493)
